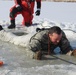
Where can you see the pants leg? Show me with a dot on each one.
(13, 13)
(27, 17)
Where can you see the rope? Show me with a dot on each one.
(49, 51)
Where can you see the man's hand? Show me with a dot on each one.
(74, 53)
(69, 53)
(38, 55)
(37, 12)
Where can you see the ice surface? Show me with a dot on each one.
(14, 57)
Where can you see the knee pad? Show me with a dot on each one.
(13, 12)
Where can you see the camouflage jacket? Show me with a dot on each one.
(40, 42)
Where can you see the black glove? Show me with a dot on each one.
(38, 29)
(19, 8)
(37, 12)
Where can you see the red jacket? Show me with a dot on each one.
(17, 1)
(24, 3)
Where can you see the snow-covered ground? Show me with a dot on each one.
(14, 57)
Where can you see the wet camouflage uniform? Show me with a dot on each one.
(40, 42)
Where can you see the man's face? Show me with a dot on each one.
(55, 38)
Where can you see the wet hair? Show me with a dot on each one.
(55, 29)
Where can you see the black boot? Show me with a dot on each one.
(12, 24)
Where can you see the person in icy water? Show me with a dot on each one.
(46, 41)
(26, 9)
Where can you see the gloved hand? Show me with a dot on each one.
(37, 12)
(19, 8)
(74, 53)
(37, 55)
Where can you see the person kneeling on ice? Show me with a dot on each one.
(26, 9)
(46, 41)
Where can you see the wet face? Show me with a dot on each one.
(55, 38)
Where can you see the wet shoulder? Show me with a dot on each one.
(41, 34)
(63, 34)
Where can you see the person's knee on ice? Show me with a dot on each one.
(26, 23)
